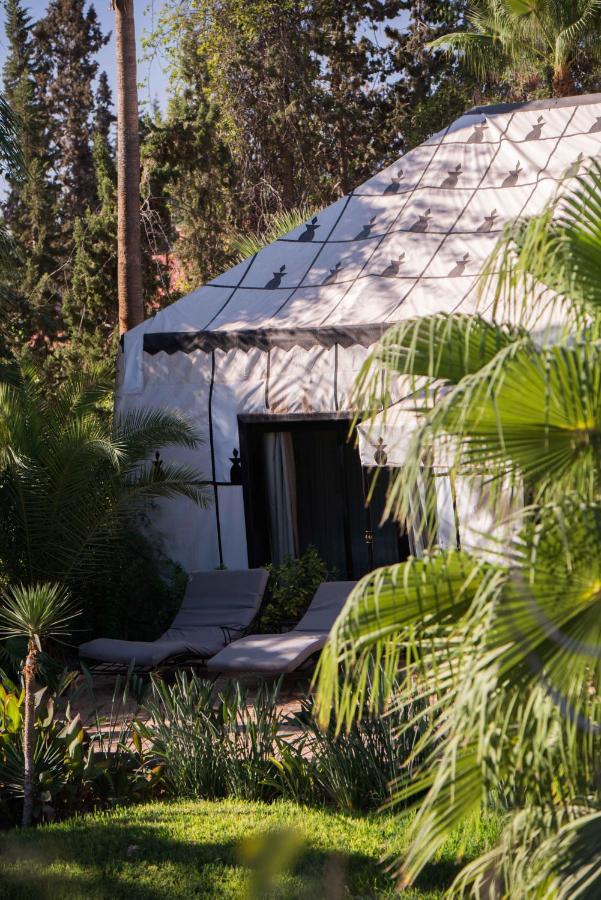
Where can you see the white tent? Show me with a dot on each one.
(281, 336)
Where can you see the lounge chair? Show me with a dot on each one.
(279, 654)
(218, 606)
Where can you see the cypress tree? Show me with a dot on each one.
(66, 41)
(104, 116)
(29, 206)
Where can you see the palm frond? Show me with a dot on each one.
(440, 348)
(139, 432)
(172, 480)
(530, 416)
(553, 256)
(380, 620)
(277, 225)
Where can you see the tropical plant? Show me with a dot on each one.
(553, 40)
(78, 766)
(291, 588)
(353, 770)
(504, 650)
(70, 475)
(37, 613)
(212, 745)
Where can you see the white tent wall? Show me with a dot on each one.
(285, 331)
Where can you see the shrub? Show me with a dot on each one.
(291, 588)
(77, 768)
(227, 745)
(138, 593)
(211, 746)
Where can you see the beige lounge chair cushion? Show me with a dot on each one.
(272, 654)
(278, 654)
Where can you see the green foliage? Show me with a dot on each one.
(201, 848)
(354, 770)
(277, 225)
(554, 43)
(66, 41)
(211, 746)
(136, 594)
(505, 655)
(292, 585)
(259, 123)
(69, 477)
(77, 767)
(39, 611)
(229, 743)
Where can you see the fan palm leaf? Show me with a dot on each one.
(557, 253)
(504, 658)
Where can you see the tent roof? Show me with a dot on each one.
(410, 241)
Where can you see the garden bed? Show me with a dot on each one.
(215, 850)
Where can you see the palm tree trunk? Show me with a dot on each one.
(29, 669)
(563, 83)
(129, 265)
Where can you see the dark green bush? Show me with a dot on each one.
(136, 596)
(187, 740)
(354, 770)
(290, 590)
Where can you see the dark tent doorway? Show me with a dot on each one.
(304, 485)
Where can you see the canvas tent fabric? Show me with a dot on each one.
(285, 332)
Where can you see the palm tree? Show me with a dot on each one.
(528, 38)
(37, 613)
(71, 475)
(129, 259)
(506, 651)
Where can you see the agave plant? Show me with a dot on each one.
(505, 651)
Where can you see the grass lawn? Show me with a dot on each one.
(218, 850)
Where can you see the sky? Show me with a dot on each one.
(151, 76)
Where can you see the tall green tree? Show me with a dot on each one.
(67, 39)
(187, 168)
(104, 117)
(89, 309)
(29, 207)
(430, 86)
(359, 118)
(283, 105)
(503, 653)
